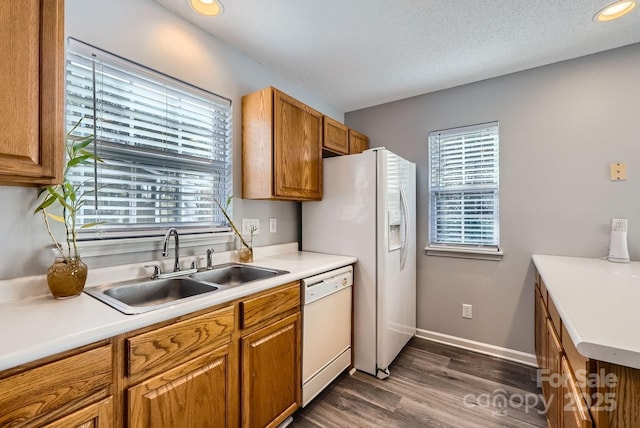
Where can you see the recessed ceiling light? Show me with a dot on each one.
(207, 7)
(614, 10)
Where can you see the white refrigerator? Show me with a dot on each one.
(368, 210)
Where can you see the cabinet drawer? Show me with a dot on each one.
(154, 351)
(574, 409)
(555, 317)
(543, 290)
(261, 308)
(51, 386)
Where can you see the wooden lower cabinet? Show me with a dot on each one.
(583, 393)
(236, 365)
(232, 365)
(553, 378)
(61, 387)
(195, 394)
(98, 415)
(541, 339)
(271, 373)
(575, 413)
(617, 400)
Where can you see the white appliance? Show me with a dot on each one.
(368, 210)
(326, 329)
(618, 249)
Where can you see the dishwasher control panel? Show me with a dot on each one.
(319, 286)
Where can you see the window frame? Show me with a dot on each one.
(142, 237)
(464, 250)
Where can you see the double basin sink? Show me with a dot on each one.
(135, 297)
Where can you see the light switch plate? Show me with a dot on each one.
(273, 225)
(618, 171)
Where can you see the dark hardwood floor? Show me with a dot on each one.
(431, 385)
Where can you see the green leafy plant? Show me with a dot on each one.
(233, 226)
(67, 195)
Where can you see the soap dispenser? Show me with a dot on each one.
(618, 250)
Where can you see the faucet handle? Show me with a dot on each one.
(210, 252)
(156, 271)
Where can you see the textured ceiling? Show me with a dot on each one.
(359, 53)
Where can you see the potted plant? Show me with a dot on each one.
(67, 275)
(245, 253)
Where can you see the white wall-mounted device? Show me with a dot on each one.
(618, 250)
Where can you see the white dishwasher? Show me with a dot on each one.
(326, 329)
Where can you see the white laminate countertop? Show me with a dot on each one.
(597, 302)
(36, 327)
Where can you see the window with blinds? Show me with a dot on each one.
(166, 146)
(464, 187)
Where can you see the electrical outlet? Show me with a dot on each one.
(248, 223)
(273, 225)
(467, 311)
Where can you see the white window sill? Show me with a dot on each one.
(465, 253)
(105, 247)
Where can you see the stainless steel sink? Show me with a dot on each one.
(136, 297)
(144, 296)
(232, 274)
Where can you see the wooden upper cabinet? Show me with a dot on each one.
(31, 92)
(281, 147)
(335, 137)
(357, 142)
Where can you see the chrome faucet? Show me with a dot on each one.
(209, 261)
(165, 252)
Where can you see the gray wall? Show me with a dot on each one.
(145, 32)
(560, 127)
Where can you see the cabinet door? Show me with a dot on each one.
(31, 91)
(357, 142)
(540, 333)
(271, 373)
(574, 409)
(335, 136)
(195, 394)
(297, 149)
(98, 415)
(554, 378)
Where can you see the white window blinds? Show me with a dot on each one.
(463, 187)
(166, 145)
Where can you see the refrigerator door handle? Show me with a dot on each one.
(405, 212)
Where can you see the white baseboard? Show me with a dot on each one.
(483, 348)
